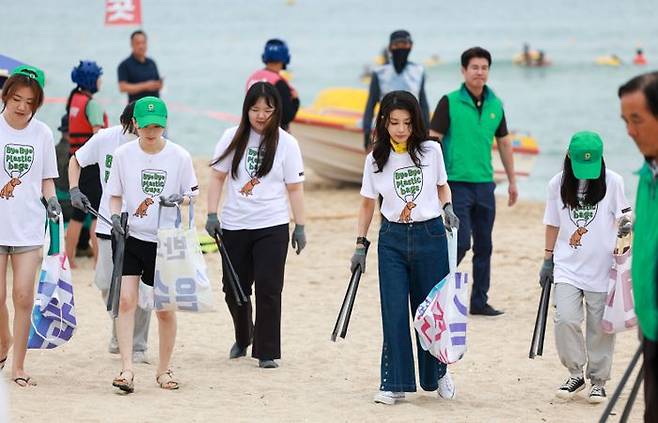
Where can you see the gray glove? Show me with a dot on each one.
(451, 219)
(212, 225)
(298, 240)
(79, 200)
(625, 226)
(546, 272)
(359, 259)
(172, 201)
(53, 208)
(116, 225)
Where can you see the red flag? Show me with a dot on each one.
(123, 12)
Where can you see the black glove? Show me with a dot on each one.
(451, 219)
(116, 225)
(546, 272)
(359, 259)
(212, 225)
(172, 201)
(625, 226)
(298, 240)
(53, 208)
(79, 200)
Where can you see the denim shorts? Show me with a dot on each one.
(9, 250)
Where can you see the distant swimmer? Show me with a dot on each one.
(639, 58)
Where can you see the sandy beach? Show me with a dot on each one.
(319, 380)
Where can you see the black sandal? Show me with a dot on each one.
(24, 382)
(126, 385)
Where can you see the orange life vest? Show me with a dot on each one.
(80, 130)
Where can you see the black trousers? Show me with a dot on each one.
(650, 352)
(259, 257)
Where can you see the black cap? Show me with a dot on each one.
(400, 35)
(64, 124)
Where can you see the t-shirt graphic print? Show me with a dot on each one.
(153, 182)
(252, 161)
(408, 183)
(581, 216)
(17, 161)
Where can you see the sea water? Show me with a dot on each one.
(205, 49)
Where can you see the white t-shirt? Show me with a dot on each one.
(253, 203)
(98, 150)
(28, 157)
(409, 192)
(141, 178)
(587, 235)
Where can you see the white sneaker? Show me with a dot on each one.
(113, 347)
(140, 357)
(388, 397)
(447, 389)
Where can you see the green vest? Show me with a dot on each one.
(467, 145)
(645, 254)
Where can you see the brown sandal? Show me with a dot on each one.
(123, 383)
(170, 384)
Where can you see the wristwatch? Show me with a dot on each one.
(362, 240)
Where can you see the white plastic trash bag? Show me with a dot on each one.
(181, 282)
(441, 319)
(619, 313)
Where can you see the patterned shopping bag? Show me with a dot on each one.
(53, 318)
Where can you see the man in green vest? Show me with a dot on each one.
(639, 109)
(467, 121)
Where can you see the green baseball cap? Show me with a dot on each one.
(150, 111)
(31, 72)
(586, 153)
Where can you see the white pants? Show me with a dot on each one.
(597, 348)
(103, 280)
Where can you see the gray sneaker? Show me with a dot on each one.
(113, 347)
(140, 357)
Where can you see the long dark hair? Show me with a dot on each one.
(126, 119)
(398, 100)
(594, 193)
(270, 136)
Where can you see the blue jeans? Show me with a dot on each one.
(475, 206)
(412, 259)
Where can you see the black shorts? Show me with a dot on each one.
(90, 185)
(139, 259)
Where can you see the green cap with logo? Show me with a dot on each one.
(586, 153)
(32, 73)
(150, 111)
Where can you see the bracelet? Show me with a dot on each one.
(547, 250)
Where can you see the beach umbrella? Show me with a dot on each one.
(231, 275)
(7, 64)
(343, 320)
(117, 269)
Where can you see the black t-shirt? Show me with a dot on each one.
(133, 71)
(441, 118)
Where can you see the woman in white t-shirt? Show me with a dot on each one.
(407, 170)
(147, 173)
(584, 208)
(29, 167)
(265, 173)
(99, 151)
